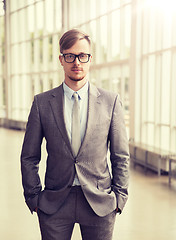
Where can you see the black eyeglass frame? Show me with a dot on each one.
(76, 56)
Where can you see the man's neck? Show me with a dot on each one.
(76, 85)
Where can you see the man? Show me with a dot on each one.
(78, 128)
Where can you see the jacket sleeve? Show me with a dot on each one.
(119, 155)
(30, 157)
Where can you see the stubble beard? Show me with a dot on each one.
(76, 79)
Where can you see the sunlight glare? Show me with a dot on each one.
(166, 6)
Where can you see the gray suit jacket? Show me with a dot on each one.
(105, 128)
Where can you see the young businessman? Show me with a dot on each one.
(80, 123)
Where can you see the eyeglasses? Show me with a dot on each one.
(70, 57)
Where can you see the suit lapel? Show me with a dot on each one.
(57, 105)
(93, 113)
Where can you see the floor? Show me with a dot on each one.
(150, 213)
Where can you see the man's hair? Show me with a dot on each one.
(70, 37)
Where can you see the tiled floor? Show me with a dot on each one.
(150, 213)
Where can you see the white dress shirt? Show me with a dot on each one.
(68, 106)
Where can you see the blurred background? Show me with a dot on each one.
(134, 54)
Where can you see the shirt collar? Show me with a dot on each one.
(81, 92)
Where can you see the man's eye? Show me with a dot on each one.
(82, 55)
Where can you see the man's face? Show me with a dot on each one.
(76, 71)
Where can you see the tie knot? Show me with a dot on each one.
(75, 95)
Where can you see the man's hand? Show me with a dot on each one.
(118, 210)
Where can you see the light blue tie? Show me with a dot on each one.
(76, 136)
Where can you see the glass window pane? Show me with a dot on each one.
(93, 7)
(93, 39)
(49, 19)
(158, 32)
(72, 12)
(143, 90)
(115, 37)
(23, 57)
(40, 18)
(125, 96)
(165, 91)
(82, 12)
(15, 59)
(22, 30)
(37, 55)
(126, 1)
(127, 31)
(103, 6)
(58, 15)
(15, 96)
(115, 76)
(115, 4)
(152, 35)
(103, 39)
(151, 89)
(104, 76)
(14, 5)
(165, 139)
(31, 19)
(167, 31)
(145, 35)
(150, 134)
(14, 23)
(50, 49)
(30, 1)
(173, 30)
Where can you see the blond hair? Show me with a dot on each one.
(70, 37)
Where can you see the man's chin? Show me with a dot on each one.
(76, 79)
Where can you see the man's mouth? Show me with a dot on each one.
(76, 69)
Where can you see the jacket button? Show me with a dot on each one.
(76, 161)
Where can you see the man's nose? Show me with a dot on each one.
(77, 62)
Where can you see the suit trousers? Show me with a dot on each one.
(76, 209)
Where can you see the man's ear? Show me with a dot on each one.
(61, 59)
(90, 58)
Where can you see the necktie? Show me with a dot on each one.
(76, 136)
